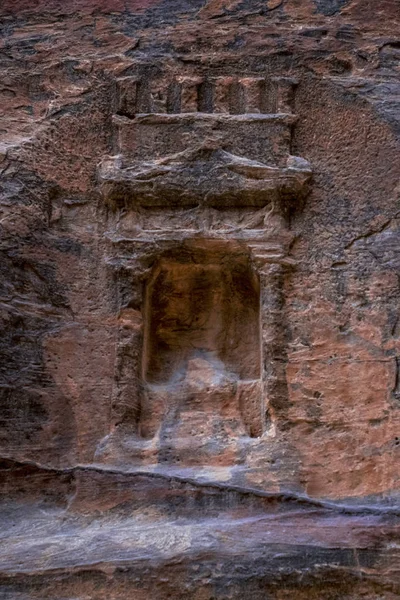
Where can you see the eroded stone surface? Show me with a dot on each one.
(199, 299)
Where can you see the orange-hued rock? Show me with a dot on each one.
(199, 299)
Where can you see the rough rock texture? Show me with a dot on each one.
(200, 271)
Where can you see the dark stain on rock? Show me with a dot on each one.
(330, 7)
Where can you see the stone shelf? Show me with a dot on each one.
(202, 177)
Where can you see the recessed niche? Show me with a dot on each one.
(204, 303)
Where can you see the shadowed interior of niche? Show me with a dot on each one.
(202, 302)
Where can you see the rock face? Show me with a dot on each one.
(200, 284)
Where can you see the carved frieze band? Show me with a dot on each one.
(190, 94)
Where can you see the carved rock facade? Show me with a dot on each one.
(199, 300)
(198, 224)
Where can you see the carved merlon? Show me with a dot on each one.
(203, 142)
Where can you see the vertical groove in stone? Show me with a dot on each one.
(143, 97)
(126, 96)
(174, 97)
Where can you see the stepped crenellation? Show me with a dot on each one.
(217, 94)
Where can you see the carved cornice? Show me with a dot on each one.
(202, 177)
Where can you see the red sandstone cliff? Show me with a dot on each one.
(200, 236)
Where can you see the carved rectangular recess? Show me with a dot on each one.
(212, 310)
(202, 302)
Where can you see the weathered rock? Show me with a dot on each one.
(200, 229)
